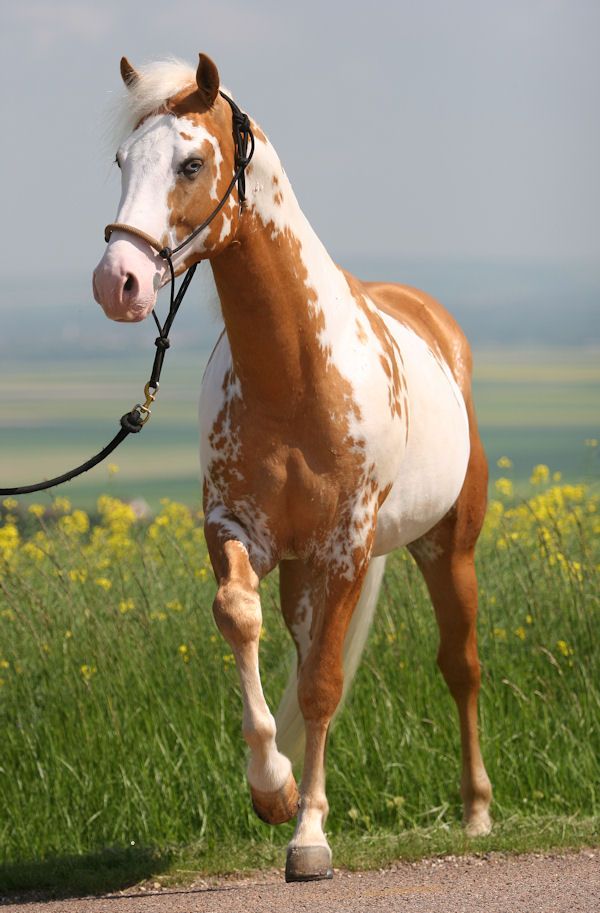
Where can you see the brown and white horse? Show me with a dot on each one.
(337, 424)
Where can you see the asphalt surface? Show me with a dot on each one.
(496, 883)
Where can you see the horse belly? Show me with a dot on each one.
(433, 466)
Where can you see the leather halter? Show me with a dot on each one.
(242, 134)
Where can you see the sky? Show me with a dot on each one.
(437, 130)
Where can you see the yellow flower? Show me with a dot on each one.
(4, 664)
(38, 510)
(62, 504)
(113, 469)
(540, 474)
(556, 476)
(591, 442)
(504, 462)
(158, 616)
(68, 635)
(103, 582)
(500, 633)
(126, 605)
(520, 632)
(504, 487)
(529, 619)
(75, 524)
(87, 672)
(174, 606)
(78, 575)
(228, 659)
(564, 648)
(184, 652)
(9, 540)
(10, 503)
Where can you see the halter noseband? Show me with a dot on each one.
(242, 135)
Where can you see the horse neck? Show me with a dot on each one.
(276, 283)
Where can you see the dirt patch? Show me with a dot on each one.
(494, 883)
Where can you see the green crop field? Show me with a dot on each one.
(534, 406)
(121, 754)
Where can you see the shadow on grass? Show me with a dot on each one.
(103, 872)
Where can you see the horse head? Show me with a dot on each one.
(177, 160)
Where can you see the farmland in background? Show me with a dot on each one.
(533, 405)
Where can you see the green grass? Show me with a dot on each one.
(534, 405)
(121, 756)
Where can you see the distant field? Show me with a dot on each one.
(534, 406)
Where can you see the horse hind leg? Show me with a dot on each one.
(445, 557)
(238, 616)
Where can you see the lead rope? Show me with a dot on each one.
(134, 420)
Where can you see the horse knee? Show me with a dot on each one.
(237, 613)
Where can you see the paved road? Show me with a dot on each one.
(495, 884)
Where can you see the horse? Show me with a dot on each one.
(336, 425)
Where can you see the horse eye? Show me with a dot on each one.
(191, 168)
(117, 162)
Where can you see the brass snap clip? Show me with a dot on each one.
(144, 411)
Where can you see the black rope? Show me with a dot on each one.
(133, 422)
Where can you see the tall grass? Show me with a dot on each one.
(119, 705)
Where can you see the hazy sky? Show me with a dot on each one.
(431, 129)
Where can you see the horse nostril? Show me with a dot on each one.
(128, 283)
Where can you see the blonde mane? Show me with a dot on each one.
(158, 82)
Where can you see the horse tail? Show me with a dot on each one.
(289, 721)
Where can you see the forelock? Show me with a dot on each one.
(157, 82)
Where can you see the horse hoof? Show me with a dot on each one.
(479, 825)
(308, 863)
(279, 806)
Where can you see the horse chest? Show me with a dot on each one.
(318, 472)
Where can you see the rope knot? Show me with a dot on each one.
(162, 343)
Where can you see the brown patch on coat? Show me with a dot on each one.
(184, 135)
(258, 132)
(389, 357)
(293, 458)
(191, 202)
(429, 320)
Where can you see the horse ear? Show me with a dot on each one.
(207, 78)
(129, 75)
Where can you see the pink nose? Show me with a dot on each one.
(126, 280)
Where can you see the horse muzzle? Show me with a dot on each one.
(127, 279)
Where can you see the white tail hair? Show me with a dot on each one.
(289, 720)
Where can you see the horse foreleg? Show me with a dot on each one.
(320, 685)
(238, 616)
